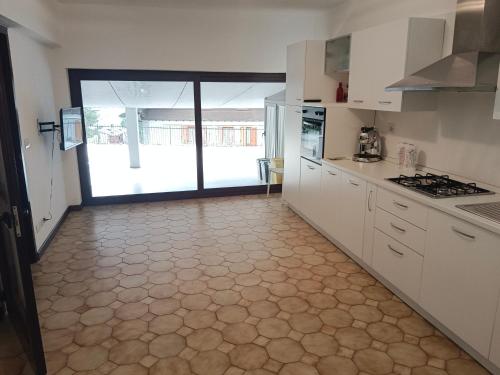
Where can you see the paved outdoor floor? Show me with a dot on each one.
(170, 168)
(229, 286)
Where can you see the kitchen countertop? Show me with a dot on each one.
(377, 173)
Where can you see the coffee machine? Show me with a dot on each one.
(370, 147)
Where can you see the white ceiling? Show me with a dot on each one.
(120, 94)
(302, 4)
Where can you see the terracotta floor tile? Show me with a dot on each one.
(229, 286)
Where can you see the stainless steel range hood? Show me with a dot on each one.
(475, 60)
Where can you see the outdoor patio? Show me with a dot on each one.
(170, 168)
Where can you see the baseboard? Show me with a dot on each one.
(54, 230)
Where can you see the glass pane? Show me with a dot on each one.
(140, 136)
(234, 145)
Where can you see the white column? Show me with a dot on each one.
(132, 123)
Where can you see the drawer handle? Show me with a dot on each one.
(395, 251)
(384, 102)
(331, 173)
(358, 101)
(370, 195)
(461, 233)
(400, 205)
(311, 167)
(300, 112)
(399, 229)
(353, 183)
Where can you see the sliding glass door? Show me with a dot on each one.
(160, 135)
(233, 115)
(140, 137)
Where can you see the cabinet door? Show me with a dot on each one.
(310, 188)
(388, 63)
(295, 73)
(461, 278)
(371, 204)
(361, 73)
(331, 185)
(495, 342)
(398, 264)
(291, 178)
(352, 219)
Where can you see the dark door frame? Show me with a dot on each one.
(76, 76)
(10, 139)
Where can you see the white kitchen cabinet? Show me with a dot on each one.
(352, 213)
(291, 177)
(495, 342)
(496, 109)
(385, 54)
(371, 200)
(398, 264)
(331, 197)
(401, 230)
(305, 73)
(461, 278)
(310, 190)
(403, 208)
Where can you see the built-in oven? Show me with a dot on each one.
(313, 134)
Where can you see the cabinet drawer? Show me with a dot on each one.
(398, 264)
(401, 230)
(331, 171)
(403, 208)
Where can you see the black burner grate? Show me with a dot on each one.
(439, 186)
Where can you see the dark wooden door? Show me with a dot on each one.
(17, 244)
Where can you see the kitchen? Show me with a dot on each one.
(429, 238)
(378, 255)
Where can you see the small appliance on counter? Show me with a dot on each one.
(370, 148)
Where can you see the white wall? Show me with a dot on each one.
(35, 100)
(461, 137)
(165, 38)
(36, 17)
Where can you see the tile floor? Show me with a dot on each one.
(228, 286)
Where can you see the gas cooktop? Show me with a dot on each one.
(436, 186)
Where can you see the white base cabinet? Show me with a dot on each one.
(398, 264)
(291, 177)
(352, 220)
(495, 342)
(310, 189)
(461, 279)
(369, 230)
(343, 200)
(331, 197)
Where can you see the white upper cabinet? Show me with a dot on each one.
(291, 178)
(461, 279)
(305, 73)
(383, 55)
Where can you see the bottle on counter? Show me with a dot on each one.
(340, 93)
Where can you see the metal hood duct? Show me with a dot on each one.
(475, 60)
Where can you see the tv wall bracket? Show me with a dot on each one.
(45, 127)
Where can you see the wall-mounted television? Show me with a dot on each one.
(71, 127)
